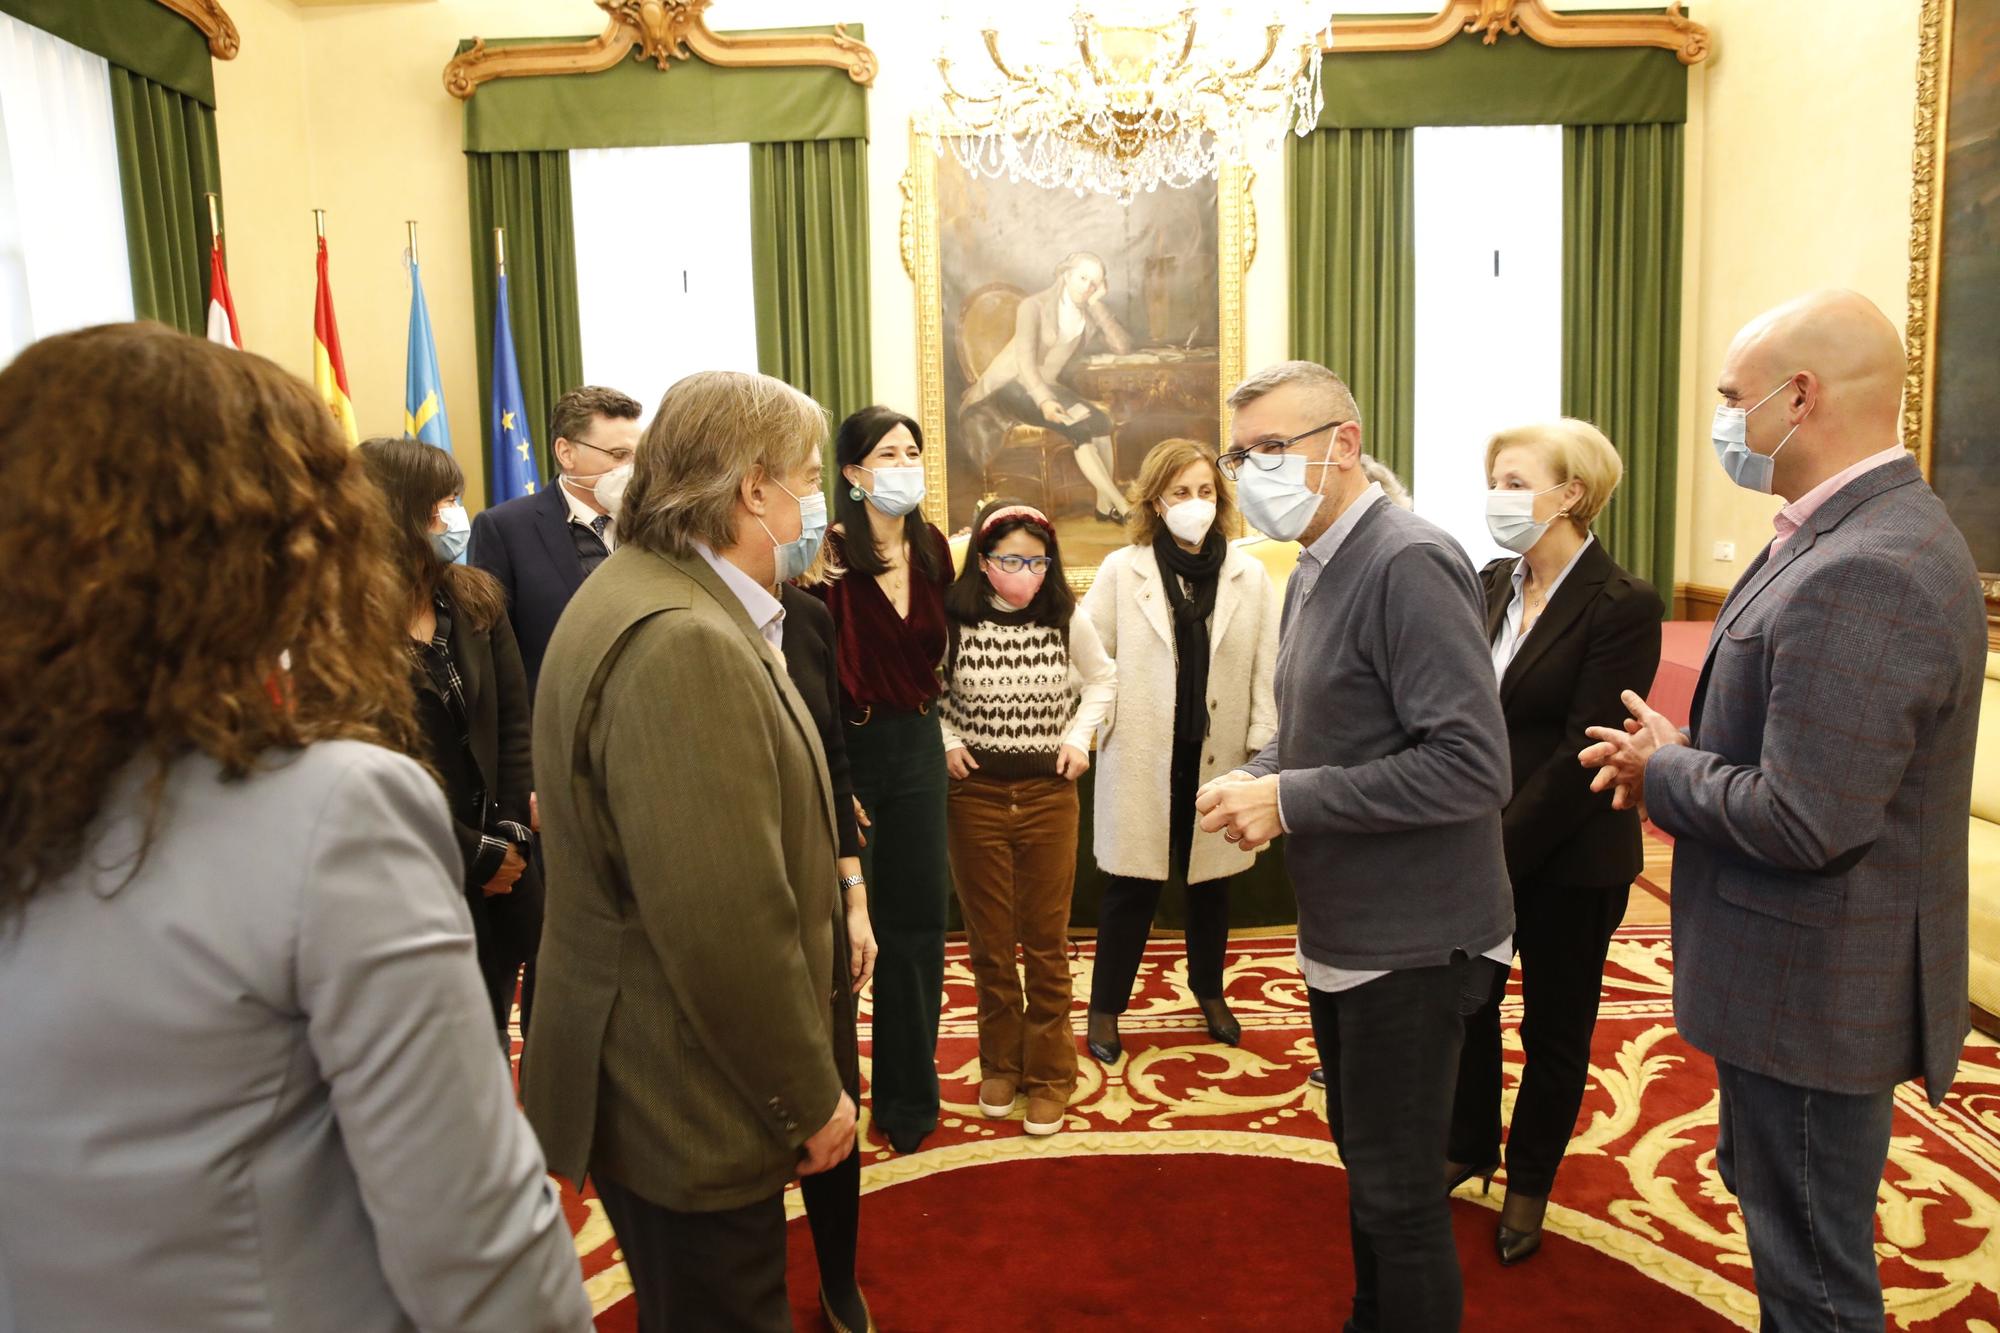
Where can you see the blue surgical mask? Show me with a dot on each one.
(1730, 434)
(796, 557)
(450, 544)
(897, 491)
(1510, 518)
(1279, 503)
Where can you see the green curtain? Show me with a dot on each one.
(1622, 202)
(167, 163)
(809, 265)
(1515, 81)
(142, 36)
(528, 194)
(1354, 267)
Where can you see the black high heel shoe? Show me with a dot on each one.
(863, 1323)
(1456, 1175)
(1515, 1245)
(1101, 1036)
(1222, 1024)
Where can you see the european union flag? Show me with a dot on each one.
(423, 392)
(515, 472)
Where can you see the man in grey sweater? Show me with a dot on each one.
(1389, 772)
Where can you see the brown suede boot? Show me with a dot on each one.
(996, 1098)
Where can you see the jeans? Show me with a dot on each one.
(1805, 1166)
(1390, 1049)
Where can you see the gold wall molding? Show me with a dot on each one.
(1493, 19)
(1926, 225)
(224, 41)
(661, 31)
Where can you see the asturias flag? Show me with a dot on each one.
(329, 369)
(423, 392)
(222, 325)
(515, 472)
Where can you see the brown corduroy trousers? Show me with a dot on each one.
(1013, 860)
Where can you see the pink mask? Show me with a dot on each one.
(1017, 590)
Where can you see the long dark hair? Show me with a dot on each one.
(969, 600)
(413, 477)
(858, 436)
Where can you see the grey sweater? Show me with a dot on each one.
(1392, 750)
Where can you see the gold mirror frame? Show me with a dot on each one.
(1926, 251)
(1235, 245)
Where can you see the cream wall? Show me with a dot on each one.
(1798, 176)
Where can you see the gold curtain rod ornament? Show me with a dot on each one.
(1492, 19)
(661, 31)
(224, 41)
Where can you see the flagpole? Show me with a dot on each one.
(319, 222)
(500, 249)
(214, 222)
(412, 225)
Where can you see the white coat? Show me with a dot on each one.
(1134, 616)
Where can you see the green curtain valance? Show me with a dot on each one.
(147, 38)
(635, 104)
(1516, 81)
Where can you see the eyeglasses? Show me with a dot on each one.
(1014, 564)
(618, 456)
(1270, 454)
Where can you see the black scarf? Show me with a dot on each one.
(1192, 611)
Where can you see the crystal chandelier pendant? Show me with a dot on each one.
(1128, 96)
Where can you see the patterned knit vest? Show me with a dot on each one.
(1011, 698)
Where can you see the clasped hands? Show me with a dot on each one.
(1620, 755)
(1242, 808)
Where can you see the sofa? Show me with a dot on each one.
(1984, 982)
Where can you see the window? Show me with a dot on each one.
(663, 264)
(63, 262)
(1489, 232)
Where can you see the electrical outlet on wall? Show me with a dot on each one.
(1725, 551)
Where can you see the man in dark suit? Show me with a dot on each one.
(542, 546)
(1818, 803)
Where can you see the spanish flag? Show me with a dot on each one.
(329, 370)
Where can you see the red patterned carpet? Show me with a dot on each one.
(1195, 1186)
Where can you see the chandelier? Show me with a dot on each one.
(1128, 96)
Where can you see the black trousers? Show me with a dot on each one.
(506, 932)
(702, 1272)
(1390, 1050)
(1125, 920)
(1562, 935)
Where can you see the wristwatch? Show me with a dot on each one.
(851, 881)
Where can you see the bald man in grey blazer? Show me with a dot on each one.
(1818, 802)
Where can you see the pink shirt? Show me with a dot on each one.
(1794, 515)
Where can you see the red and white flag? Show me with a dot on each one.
(222, 325)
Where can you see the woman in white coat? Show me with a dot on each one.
(1193, 626)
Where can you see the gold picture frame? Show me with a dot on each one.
(922, 254)
(1929, 220)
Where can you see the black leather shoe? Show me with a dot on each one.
(853, 1317)
(907, 1141)
(1101, 1036)
(1514, 1246)
(1318, 1077)
(1222, 1024)
(1456, 1175)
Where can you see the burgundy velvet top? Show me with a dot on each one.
(887, 661)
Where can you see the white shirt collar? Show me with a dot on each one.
(579, 512)
(766, 612)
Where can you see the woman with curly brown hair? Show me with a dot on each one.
(472, 706)
(250, 1073)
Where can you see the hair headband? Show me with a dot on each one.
(1005, 512)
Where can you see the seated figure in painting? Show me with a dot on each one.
(1026, 381)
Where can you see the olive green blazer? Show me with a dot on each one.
(681, 1042)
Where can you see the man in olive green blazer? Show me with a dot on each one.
(681, 1051)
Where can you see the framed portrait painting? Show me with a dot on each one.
(1952, 396)
(1061, 337)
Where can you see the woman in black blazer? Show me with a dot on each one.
(472, 705)
(833, 1198)
(1570, 631)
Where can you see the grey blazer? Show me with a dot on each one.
(1819, 904)
(254, 1088)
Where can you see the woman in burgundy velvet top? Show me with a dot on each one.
(888, 608)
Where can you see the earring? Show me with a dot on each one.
(855, 493)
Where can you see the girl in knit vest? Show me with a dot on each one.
(1027, 686)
